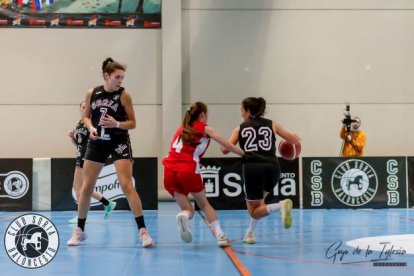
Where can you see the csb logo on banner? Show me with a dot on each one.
(16, 184)
(144, 179)
(223, 182)
(369, 182)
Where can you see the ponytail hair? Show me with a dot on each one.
(256, 106)
(191, 114)
(109, 66)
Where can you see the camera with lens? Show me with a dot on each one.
(347, 121)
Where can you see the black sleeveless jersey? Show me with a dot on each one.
(257, 136)
(105, 103)
(81, 139)
(81, 134)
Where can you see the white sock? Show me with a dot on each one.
(272, 207)
(215, 225)
(252, 225)
(185, 213)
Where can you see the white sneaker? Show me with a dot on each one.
(222, 240)
(108, 209)
(145, 238)
(184, 228)
(77, 236)
(73, 220)
(249, 238)
(286, 212)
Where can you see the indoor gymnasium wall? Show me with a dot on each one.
(46, 73)
(307, 59)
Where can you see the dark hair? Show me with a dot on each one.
(191, 114)
(256, 106)
(109, 66)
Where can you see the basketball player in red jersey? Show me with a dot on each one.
(182, 170)
(261, 169)
(109, 114)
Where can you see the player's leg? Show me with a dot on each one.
(211, 217)
(184, 216)
(124, 174)
(90, 173)
(77, 187)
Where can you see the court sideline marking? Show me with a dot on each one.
(231, 254)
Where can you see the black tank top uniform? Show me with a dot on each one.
(81, 140)
(256, 136)
(107, 103)
(261, 168)
(112, 142)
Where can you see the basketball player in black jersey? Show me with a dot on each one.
(79, 137)
(257, 138)
(109, 114)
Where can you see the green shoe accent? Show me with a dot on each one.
(73, 220)
(286, 212)
(108, 209)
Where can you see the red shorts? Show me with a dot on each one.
(182, 182)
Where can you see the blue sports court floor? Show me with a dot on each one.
(320, 242)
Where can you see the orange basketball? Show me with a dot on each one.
(288, 150)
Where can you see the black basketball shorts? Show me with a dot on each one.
(118, 148)
(260, 177)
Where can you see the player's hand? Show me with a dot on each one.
(108, 122)
(349, 138)
(72, 134)
(93, 133)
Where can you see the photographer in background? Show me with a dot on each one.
(354, 138)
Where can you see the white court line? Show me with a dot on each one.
(383, 243)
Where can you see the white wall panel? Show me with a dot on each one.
(42, 131)
(50, 66)
(299, 56)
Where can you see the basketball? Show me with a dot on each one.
(288, 150)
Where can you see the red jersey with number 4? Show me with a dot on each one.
(186, 158)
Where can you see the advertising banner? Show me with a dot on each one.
(223, 183)
(410, 174)
(80, 14)
(367, 182)
(16, 179)
(144, 181)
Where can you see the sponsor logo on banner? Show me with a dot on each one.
(354, 182)
(130, 21)
(37, 22)
(108, 185)
(210, 176)
(31, 241)
(75, 22)
(110, 22)
(331, 182)
(15, 184)
(286, 186)
(151, 24)
(54, 22)
(93, 20)
(17, 21)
